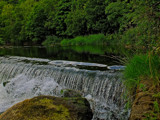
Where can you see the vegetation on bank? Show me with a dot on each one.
(47, 22)
(142, 80)
(141, 67)
(97, 39)
(51, 40)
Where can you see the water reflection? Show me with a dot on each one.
(96, 54)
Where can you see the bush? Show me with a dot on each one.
(1, 42)
(113, 39)
(146, 65)
(51, 40)
(96, 39)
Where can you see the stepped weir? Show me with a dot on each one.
(22, 78)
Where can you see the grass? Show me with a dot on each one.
(140, 66)
(96, 39)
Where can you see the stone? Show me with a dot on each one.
(49, 108)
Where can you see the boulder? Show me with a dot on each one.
(49, 108)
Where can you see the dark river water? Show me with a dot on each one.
(94, 54)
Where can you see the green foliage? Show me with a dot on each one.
(128, 105)
(35, 24)
(51, 40)
(62, 91)
(126, 22)
(2, 4)
(156, 107)
(62, 10)
(142, 87)
(7, 18)
(143, 34)
(141, 66)
(153, 115)
(76, 23)
(1, 41)
(96, 17)
(113, 39)
(97, 39)
(116, 15)
(142, 20)
(156, 95)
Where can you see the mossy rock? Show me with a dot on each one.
(49, 108)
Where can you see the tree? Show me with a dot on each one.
(116, 15)
(35, 24)
(96, 17)
(76, 19)
(144, 24)
(7, 21)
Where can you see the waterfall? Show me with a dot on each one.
(22, 78)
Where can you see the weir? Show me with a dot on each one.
(22, 78)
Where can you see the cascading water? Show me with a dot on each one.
(23, 78)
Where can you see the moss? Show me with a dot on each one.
(49, 108)
(157, 95)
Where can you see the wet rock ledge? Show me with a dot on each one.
(50, 108)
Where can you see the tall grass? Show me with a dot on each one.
(147, 65)
(96, 39)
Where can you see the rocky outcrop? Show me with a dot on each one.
(49, 108)
(145, 103)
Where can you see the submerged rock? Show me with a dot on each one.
(70, 93)
(49, 108)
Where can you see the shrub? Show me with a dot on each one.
(51, 40)
(1, 41)
(113, 39)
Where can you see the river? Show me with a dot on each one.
(95, 71)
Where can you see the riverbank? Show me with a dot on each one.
(142, 81)
(146, 105)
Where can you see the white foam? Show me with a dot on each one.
(22, 87)
(73, 63)
(89, 97)
(4, 99)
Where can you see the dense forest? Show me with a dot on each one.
(128, 22)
